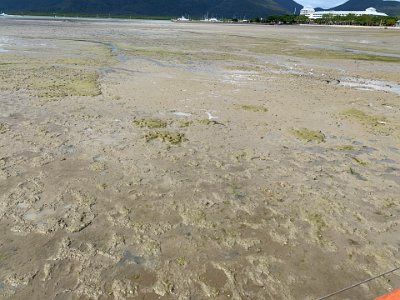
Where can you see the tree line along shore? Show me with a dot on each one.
(285, 19)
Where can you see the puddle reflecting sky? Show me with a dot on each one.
(368, 84)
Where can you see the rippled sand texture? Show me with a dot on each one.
(153, 160)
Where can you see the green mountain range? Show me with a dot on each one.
(193, 8)
(390, 7)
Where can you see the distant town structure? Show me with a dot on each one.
(210, 20)
(398, 23)
(182, 19)
(310, 12)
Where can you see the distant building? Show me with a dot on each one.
(210, 20)
(310, 12)
(398, 23)
(181, 19)
(307, 11)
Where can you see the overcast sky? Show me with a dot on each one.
(322, 3)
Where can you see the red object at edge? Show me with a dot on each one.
(393, 295)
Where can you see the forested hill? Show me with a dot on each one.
(389, 7)
(199, 8)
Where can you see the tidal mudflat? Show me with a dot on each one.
(158, 160)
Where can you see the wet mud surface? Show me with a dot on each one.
(196, 161)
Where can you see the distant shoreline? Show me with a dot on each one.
(70, 18)
(351, 26)
(78, 18)
(85, 16)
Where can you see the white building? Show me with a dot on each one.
(307, 11)
(210, 20)
(398, 23)
(310, 12)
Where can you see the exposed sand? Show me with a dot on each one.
(153, 160)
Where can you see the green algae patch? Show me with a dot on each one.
(356, 174)
(208, 122)
(220, 56)
(78, 61)
(293, 48)
(98, 166)
(171, 137)
(55, 74)
(374, 123)
(65, 83)
(52, 77)
(332, 54)
(345, 147)
(253, 108)
(196, 218)
(3, 128)
(90, 55)
(85, 53)
(309, 135)
(361, 116)
(360, 161)
(151, 123)
(185, 124)
(152, 52)
(184, 55)
(244, 68)
(317, 220)
(181, 260)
